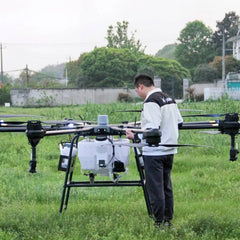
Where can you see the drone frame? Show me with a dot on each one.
(230, 125)
(69, 183)
(35, 132)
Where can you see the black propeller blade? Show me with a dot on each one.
(129, 110)
(158, 145)
(139, 110)
(206, 115)
(17, 115)
(11, 123)
(210, 132)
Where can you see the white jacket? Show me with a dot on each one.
(160, 111)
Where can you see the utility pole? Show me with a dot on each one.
(1, 63)
(223, 61)
(66, 77)
(27, 75)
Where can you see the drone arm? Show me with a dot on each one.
(230, 125)
(180, 125)
(196, 125)
(84, 131)
(12, 129)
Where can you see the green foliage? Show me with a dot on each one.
(57, 70)
(5, 93)
(167, 51)
(170, 72)
(109, 67)
(32, 79)
(195, 45)
(120, 39)
(204, 73)
(6, 79)
(230, 26)
(75, 75)
(206, 186)
(124, 97)
(44, 80)
(231, 65)
(116, 65)
(192, 96)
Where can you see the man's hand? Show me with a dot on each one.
(129, 134)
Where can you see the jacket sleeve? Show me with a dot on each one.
(151, 115)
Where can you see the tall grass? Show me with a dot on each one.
(206, 186)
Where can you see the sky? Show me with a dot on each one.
(38, 33)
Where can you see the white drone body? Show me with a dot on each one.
(103, 157)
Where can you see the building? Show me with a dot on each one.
(231, 86)
(233, 81)
(236, 44)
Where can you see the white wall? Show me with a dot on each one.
(57, 97)
(216, 93)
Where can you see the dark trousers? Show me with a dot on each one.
(159, 185)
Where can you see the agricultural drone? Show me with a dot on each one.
(103, 150)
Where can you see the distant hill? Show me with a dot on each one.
(57, 70)
(167, 51)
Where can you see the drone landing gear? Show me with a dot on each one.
(230, 126)
(35, 133)
(91, 177)
(68, 183)
(233, 151)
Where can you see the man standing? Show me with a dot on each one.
(159, 111)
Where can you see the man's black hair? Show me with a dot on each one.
(144, 79)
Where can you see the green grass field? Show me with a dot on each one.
(206, 186)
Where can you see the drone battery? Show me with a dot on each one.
(64, 155)
(121, 151)
(99, 156)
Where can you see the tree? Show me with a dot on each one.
(231, 64)
(24, 80)
(5, 93)
(56, 70)
(109, 67)
(204, 73)
(75, 75)
(170, 71)
(195, 45)
(44, 80)
(6, 79)
(120, 39)
(167, 51)
(32, 79)
(229, 25)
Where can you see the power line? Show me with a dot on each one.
(15, 70)
(46, 75)
(33, 71)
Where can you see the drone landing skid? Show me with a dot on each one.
(69, 183)
(35, 133)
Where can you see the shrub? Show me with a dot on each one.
(5, 94)
(124, 97)
(191, 96)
